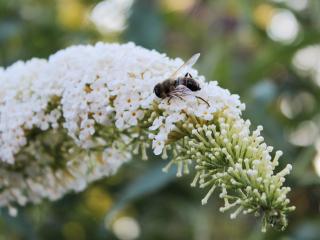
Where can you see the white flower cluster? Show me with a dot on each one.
(24, 95)
(85, 79)
(35, 181)
(79, 115)
(110, 16)
(306, 62)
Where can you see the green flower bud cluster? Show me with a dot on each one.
(226, 156)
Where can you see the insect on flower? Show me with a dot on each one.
(178, 87)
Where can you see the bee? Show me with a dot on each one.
(178, 87)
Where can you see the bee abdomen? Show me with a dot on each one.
(192, 84)
(189, 83)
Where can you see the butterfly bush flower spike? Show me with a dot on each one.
(78, 116)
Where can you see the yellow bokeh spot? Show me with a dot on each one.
(98, 201)
(73, 230)
(177, 5)
(71, 13)
(262, 15)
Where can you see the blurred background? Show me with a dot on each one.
(268, 52)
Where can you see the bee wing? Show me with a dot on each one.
(181, 90)
(187, 64)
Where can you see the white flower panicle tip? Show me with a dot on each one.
(79, 115)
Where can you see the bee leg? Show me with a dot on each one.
(172, 96)
(181, 98)
(203, 100)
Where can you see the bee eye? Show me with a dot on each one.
(156, 90)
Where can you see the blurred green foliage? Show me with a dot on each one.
(236, 50)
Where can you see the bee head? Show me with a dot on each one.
(157, 90)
